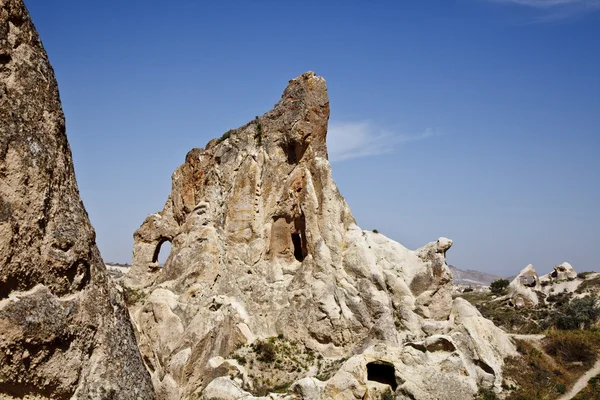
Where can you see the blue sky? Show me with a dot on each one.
(478, 120)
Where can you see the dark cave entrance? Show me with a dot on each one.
(382, 372)
(159, 256)
(297, 240)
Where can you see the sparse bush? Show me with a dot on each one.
(499, 286)
(133, 296)
(486, 394)
(266, 351)
(572, 347)
(375, 231)
(225, 136)
(578, 314)
(259, 132)
(467, 290)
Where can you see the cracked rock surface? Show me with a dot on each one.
(65, 332)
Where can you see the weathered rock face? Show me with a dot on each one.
(264, 246)
(564, 271)
(64, 331)
(522, 290)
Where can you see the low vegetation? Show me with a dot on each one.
(538, 375)
(226, 135)
(548, 368)
(274, 363)
(591, 391)
(499, 286)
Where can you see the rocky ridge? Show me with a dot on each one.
(528, 289)
(271, 286)
(65, 332)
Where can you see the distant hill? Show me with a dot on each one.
(470, 277)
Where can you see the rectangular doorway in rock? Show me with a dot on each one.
(297, 241)
(382, 372)
(299, 238)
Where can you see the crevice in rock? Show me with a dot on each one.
(10, 284)
(484, 366)
(382, 372)
(441, 344)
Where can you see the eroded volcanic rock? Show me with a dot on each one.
(271, 286)
(64, 331)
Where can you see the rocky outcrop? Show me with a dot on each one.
(64, 331)
(522, 290)
(562, 272)
(270, 281)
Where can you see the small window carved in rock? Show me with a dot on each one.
(162, 252)
(382, 372)
(298, 247)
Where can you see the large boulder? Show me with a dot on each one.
(64, 330)
(268, 267)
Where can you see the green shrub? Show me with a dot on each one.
(499, 286)
(266, 351)
(225, 136)
(578, 314)
(486, 394)
(259, 132)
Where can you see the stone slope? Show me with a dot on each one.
(64, 331)
(264, 246)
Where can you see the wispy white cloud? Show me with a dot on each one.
(346, 140)
(553, 10)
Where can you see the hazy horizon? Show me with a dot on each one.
(477, 120)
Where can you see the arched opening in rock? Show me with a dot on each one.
(528, 281)
(162, 251)
(382, 372)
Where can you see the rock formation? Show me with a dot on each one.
(271, 285)
(564, 271)
(522, 289)
(64, 331)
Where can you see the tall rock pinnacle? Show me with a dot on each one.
(64, 331)
(270, 281)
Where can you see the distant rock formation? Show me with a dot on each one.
(564, 271)
(522, 289)
(270, 284)
(528, 289)
(64, 331)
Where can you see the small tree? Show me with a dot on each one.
(499, 286)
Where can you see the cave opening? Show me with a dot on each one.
(297, 241)
(162, 251)
(382, 372)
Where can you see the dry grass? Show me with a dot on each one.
(548, 371)
(591, 391)
(537, 375)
